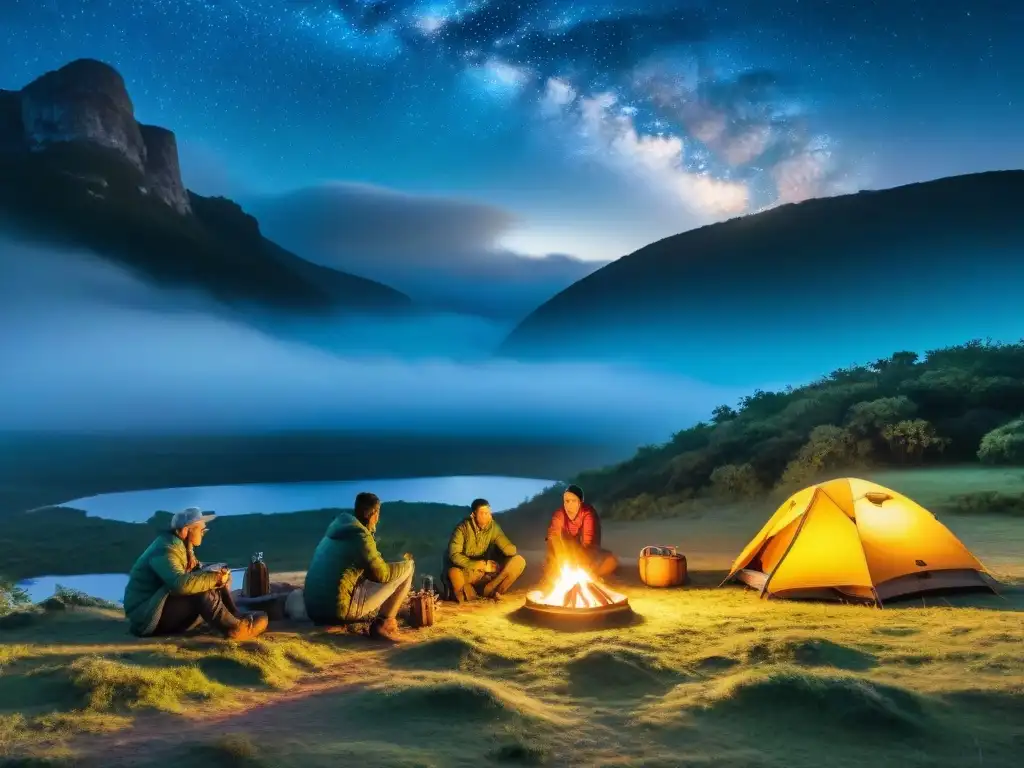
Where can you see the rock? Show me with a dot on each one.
(53, 604)
(84, 101)
(295, 606)
(23, 617)
(163, 173)
(12, 135)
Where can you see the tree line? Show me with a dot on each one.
(954, 405)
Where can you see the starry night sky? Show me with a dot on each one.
(580, 128)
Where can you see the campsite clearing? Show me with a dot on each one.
(711, 677)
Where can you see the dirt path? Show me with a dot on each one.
(271, 715)
(268, 713)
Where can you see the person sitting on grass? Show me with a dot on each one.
(480, 555)
(574, 536)
(348, 579)
(169, 592)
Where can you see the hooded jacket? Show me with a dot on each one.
(346, 555)
(161, 571)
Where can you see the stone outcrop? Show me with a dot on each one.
(87, 102)
(84, 101)
(162, 172)
(12, 137)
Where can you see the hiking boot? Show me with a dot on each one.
(249, 627)
(385, 629)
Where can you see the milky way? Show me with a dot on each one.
(598, 126)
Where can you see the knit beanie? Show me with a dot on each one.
(576, 491)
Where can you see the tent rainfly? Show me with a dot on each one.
(853, 539)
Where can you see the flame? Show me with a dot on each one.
(585, 597)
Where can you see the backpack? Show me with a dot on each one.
(256, 582)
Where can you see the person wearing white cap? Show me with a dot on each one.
(169, 592)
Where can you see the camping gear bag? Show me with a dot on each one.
(256, 582)
(421, 605)
(662, 567)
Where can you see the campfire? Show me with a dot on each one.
(576, 596)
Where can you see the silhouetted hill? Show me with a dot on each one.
(287, 539)
(78, 170)
(957, 406)
(820, 279)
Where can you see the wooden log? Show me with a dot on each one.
(571, 595)
(599, 595)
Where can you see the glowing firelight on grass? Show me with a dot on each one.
(574, 588)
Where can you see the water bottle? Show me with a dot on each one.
(428, 585)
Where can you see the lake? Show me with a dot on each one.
(106, 586)
(137, 507)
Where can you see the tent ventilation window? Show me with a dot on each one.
(877, 498)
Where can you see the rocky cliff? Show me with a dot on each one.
(11, 133)
(86, 102)
(78, 169)
(162, 172)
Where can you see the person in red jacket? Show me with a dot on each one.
(574, 535)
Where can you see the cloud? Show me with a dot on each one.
(611, 134)
(499, 76)
(751, 122)
(558, 94)
(89, 346)
(377, 221)
(441, 251)
(700, 137)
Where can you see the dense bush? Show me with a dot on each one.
(736, 481)
(952, 405)
(986, 503)
(11, 596)
(1003, 445)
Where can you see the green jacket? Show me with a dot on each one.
(469, 542)
(158, 573)
(345, 555)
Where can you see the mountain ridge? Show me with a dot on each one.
(78, 169)
(752, 274)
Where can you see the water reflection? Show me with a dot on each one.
(137, 506)
(106, 586)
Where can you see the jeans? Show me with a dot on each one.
(181, 612)
(511, 568)
(386, 598)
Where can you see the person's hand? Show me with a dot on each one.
(492, 566)
(407, 556)
(223, 577)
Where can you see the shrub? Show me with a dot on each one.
(642, 507)
(11, 596)
(910, 440)
(828, 448)
(986, 503)
(1003, 445)
(871, 417)
(736, 481)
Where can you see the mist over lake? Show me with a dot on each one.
(138, 506)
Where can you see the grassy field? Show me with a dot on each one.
(707, 677)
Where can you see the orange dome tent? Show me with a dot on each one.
(851, 538)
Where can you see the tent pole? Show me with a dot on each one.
(796, 535)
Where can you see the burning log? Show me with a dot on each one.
(572, 596)
(598, 595)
